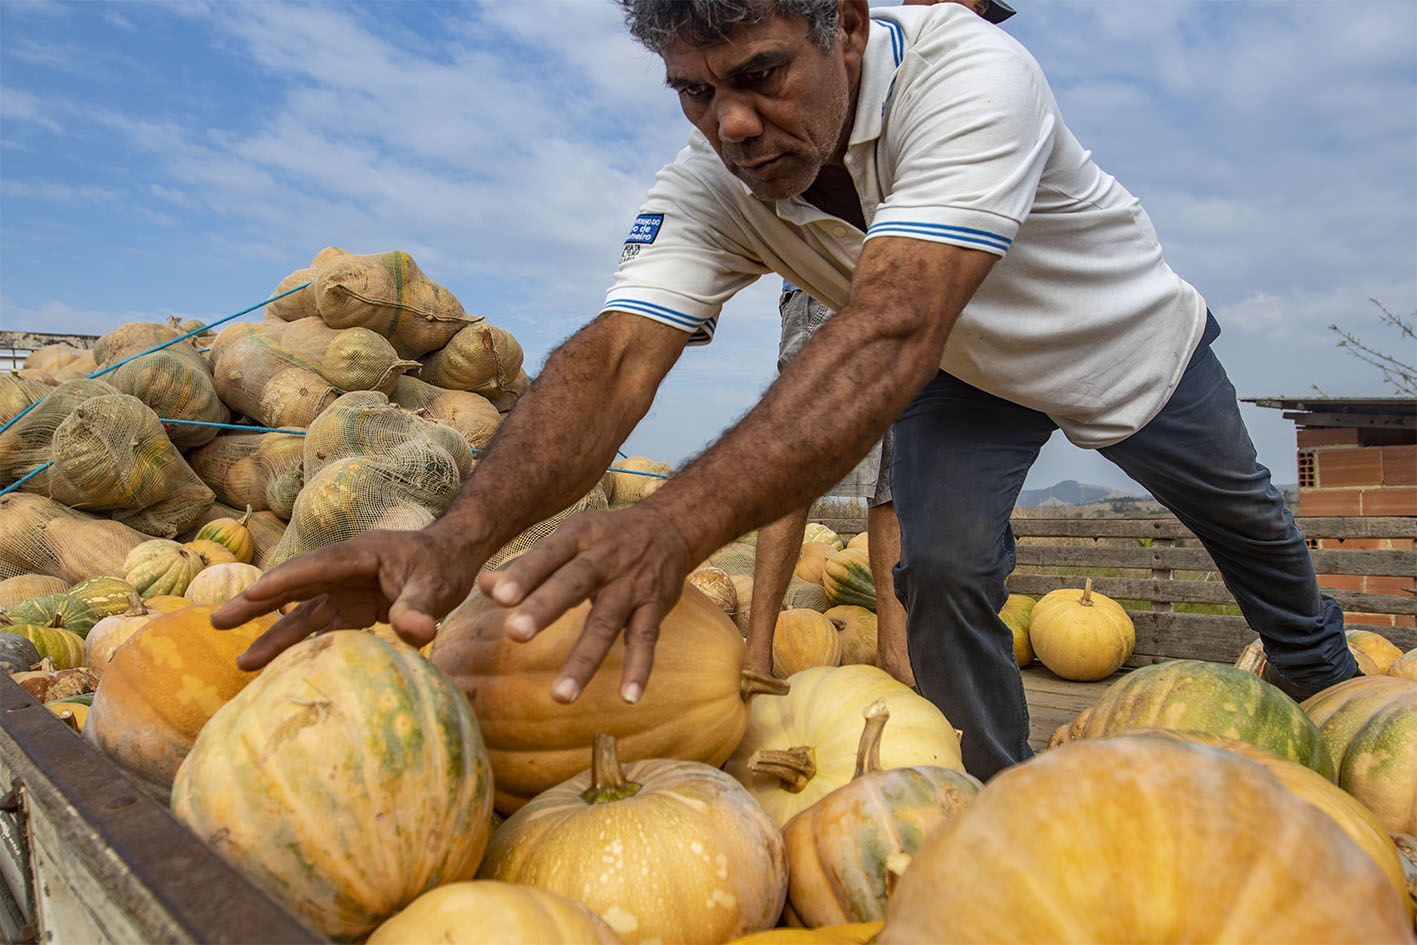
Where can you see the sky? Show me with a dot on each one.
(181, 158)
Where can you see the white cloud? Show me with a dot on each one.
(55, 193)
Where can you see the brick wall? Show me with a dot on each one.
(1341, 475)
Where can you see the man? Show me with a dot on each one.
(991, 284)
(779, 543)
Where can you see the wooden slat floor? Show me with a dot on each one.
(1053, 701)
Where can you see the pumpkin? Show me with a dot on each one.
(802, 746)
(715, 583)
(346, 780)
(1405, 666)
(219, 583)
(1373, 651)
(211, 552)
(55, 610)
(17, 653)
(161, 566)
(816, 531)
(1369, 724)
(485, 910)
(860, 540)
(22, 587)
(64, 648)
(1080, 635)
(232, 534)
(662, 850)
(846, 577)
(635, 478)
(106, 596)
(851, 933)
(812, 560)
(1355, 819)
(162, 686)
(112, 632)
(695, 706)
(840, 851)
(71, 714)
(50, 685)
(856, 630)
(803, 638)
(1199, 696)
(1015, 615)
(1142, 839)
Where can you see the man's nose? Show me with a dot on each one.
(738, 118)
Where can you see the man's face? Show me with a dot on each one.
(774, 106)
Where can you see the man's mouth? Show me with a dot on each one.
(759, 167)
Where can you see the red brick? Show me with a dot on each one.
(1360, 466)
(1324, 436)
(1342, 582)
(1366, 620)
(1330, 502)
(1400, 465)
(1404, 620)
(1390, 500)
(1401, 586)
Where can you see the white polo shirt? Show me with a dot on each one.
(957, 139)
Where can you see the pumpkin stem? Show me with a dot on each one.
(5, 620)
(245, 518)
(607, 777)
(1086, 598)
(868, 750)
(795, 767)
(136, 607)
(752, 683)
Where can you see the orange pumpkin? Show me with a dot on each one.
(1080, 635)
(812, 560)
(856, 629)
(662, 850)
(485, 910)
(1373, 651)
(694, 708)
(162, 686)
(1142, 839)
(803, 638)
(345, 781)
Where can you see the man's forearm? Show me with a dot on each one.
(557, 442)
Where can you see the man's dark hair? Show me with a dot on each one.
(657, 23)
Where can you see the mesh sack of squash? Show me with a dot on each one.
(262, 470)
(404, 488)
(479, 356)
(365, 423)
(472, 415)
(257, 378)
(591, 501)
(111, 453)
(504, 396)
(176, 383)
(26, 444)
(388, 294)
(41, 536)
(61, 362)
(17, 394)
(349, 358)
(300, 304)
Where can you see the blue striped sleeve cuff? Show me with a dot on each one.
(701, 330)
(967, 236)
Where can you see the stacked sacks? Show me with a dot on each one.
(41, 536)
(263, 471)
(176, 382)
(54, 364)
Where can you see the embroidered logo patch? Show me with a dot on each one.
(645, 228)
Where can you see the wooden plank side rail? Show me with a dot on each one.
(1156, 564)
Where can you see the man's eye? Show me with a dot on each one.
(759, 76)
(693, 91)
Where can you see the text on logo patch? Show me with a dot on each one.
(645, 228)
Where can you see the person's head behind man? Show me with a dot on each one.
(770, 83)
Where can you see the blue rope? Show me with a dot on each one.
(245, 428)
(165, 344)
(25, 478)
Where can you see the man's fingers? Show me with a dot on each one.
(641, 634)
(602, 625)
(310, 617)
(301, 578)
(554, 592)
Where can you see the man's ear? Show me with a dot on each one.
(855, 25)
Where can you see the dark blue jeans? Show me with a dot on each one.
(960, 460)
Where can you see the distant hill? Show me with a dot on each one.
(1072, 492)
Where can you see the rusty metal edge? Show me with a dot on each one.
(206, 898)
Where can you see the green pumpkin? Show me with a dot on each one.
(56, 610)
(847, 579)
(161, 566)
(64, 647)
(105, 595)
(17, 653)
(1199, 696)
(1369, 724)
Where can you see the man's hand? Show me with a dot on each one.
(409, 579)
(631, 563)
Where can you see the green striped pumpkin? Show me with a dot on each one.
(106, 595)
(847, 579)
(1200, 696)
(64, 647)
(56, 610)
(1369, 724)
(161, 566)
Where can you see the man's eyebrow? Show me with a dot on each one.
(762, 60)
